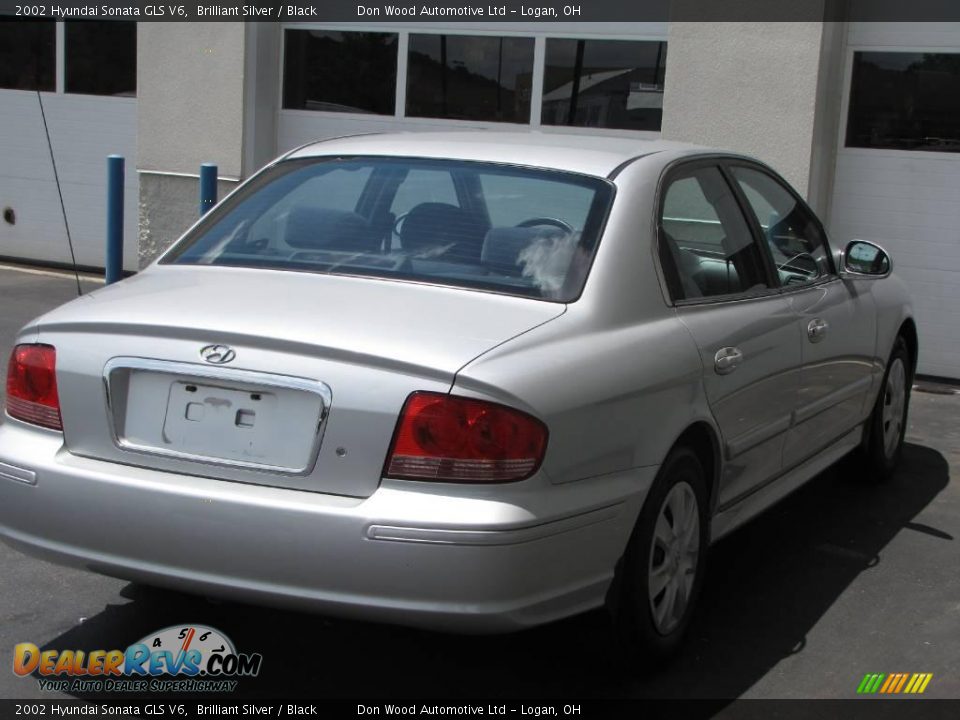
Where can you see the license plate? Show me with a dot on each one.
(262, 427)
(221, 423)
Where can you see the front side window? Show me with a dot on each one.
(794, 236)
(504, 229)
(905, 101)
(340, 71)
(27, 54)
(604, 84)
(707, 237)
(466, 77)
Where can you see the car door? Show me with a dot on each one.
(837, 324)
(725, 293)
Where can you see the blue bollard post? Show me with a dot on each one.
(114, 259)
(208, 187)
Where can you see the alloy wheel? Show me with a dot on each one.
(672, 566)
(894, 402)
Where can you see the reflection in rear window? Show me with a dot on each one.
(500, 228)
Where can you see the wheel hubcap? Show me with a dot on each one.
(672, 567)
(894, 403)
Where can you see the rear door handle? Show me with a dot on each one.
(817, 329)
(727, 360)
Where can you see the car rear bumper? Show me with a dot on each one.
(461, 558)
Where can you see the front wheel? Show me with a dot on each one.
(883, 435)
(662, 569)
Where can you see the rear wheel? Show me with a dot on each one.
(883, 436)
(661, 573)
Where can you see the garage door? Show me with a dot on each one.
(898, 169)
(86, 74)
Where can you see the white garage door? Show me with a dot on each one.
(86, 72)
(898, 169)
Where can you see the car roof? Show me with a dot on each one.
(573, 152)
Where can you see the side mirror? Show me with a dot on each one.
(862, 259)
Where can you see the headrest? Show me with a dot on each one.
(435, 223)
(324, 228)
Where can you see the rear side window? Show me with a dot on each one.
(792, 233)
(505, 229)
(707, 237)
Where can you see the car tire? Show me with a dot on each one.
(656, 586)
(882, 443)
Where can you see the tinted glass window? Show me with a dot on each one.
(708, 238)
(470, 78)
(905, 101)
(340, 71)
(424, 185)
(513, 200)
(794, 236)
(101, 57)
(604, 83)
(27, 55)
(445, 222)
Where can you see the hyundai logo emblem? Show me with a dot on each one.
(218, 354)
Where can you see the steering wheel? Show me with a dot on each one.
(551, 222)
(398, 223)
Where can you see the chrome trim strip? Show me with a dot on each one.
(12, 472)
(222, 374)
(511, 536)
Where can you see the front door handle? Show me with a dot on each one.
(817, 329)
(727, 360)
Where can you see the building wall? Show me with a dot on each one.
(191, 109)
(748, 87)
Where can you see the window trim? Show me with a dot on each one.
(663, 259)
(404, 31)
(847, 94)
(399, 89)
(754, 221)
(847, 86)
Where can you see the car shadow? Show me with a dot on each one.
(767, 586)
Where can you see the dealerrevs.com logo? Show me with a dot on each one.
(180, 658)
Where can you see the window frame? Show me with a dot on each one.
(848, 91)
(663, 258)
(536, 115)
(404, 31)
(465, 33)
(757, 229)
(399, 65)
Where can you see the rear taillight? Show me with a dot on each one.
(32, 386)
(443, 437)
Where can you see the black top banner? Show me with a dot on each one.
(188, 707)
(536, 11)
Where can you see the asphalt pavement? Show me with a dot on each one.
(841, 579)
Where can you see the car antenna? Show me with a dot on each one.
(56, 177)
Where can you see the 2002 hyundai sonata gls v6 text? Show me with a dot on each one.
(473, 381)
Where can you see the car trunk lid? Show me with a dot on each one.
(319, 368)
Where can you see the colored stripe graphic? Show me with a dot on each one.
(894, 683)
(903, 681)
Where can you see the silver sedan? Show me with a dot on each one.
(475, 382)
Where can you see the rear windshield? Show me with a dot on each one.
(499, 228)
